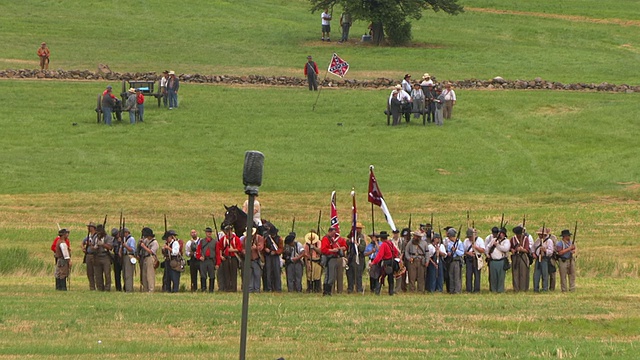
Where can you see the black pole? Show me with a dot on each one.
(373, 222)
(246, 277)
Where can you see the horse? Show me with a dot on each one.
(237, 218)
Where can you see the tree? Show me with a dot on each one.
(389, 17)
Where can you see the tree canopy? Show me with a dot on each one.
(389, 17)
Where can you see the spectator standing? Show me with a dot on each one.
(326, 25)
(140, 103)
(173, 84)
(163, 87)
(418, 100)
(345, 23)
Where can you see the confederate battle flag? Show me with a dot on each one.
(334, 214)
(375, 197)
(338, 66)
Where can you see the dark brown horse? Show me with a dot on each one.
(238, 219)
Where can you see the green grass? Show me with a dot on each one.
(274, 38)
(555, 156)
(313, 327)
(498, 142)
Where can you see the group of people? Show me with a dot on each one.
(422, 97)
(413, 261)
(169, 86)
(345, 25)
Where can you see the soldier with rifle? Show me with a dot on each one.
(333, 248)
(491, 238)
(129, 261)
(117, 258)
(228, 247)
(401, 245)
(312, 254)
(455, 252)
(293, 256)
(355, 260)
(102, 246)
(520, 250)
(62, 255)
(193, 261)
(209, 259)
(148, 257)
(566, 250)
(87, 249)
(474, 249)
(257, 261)
(543, 250)
(435, 270)
(416, 260)
(273, 247)
(498, 250)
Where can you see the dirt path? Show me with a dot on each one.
(575, 18)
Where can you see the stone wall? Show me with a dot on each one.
(104, 74)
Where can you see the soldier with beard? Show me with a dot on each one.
(415, 256)
(102, 245)
(355, 255)
(209, 260)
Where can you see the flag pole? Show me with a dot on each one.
(320, 86)
(373, 221)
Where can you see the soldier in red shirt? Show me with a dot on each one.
(333, 248)
(385, 259)
(209, 260)
(229, 248)
(140, 102)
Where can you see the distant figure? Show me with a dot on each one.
(140, 103)
(43, 54)
(108, 103)
(438, 101)
(345, 23)
(326, 25)
(173, 84)
(418, 100)
(311, 72)
(163, 87)
(130, 105)
(450, 100)
(395, 106)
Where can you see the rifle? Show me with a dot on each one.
(319, 217)
(574, 233)
(467, 219)
(409, 221)
(502, 221)
(165, 222)
(104, 223)
(542, 241)
(215, 226)
(293, 225)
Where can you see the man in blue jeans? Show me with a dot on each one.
(172, 89)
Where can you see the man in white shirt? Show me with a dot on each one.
(172, 247)
(326, 25)
(473, 248)
(449, 100)
(498, 251)
(194, 262)
(163, 87)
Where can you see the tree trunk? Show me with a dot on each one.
(378, 32)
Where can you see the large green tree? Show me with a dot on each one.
(389, 17)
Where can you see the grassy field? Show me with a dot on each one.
(274, 38)
(558, 157)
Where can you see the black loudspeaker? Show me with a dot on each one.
(252, 172)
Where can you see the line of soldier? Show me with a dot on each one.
(414, 261)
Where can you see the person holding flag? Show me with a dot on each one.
(357, 245)
(375, 197)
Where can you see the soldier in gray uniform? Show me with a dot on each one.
(128, 252)
(102, 244)
(415, 255)
(88, 253)
(356, 246)
(293, 254)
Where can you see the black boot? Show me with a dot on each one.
(316, 286)
(309, 287)
(57, 284)
(211, 285)
(327, 290)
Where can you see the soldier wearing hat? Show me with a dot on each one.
(473, 249)
(127, 254)
(312, 254)
(415, 259)
(173, 85)
(273, 247)
(435, 270)
(148, 256)
(520, 250)
(206, 252)
(172, 263)
(62, 255)
(131, 105)
(543, 253)
(566, 249)
(498, 250)
(102, 246)
(387, 255)
(371, 251)
(229, 248)
(455, 252)
(311, 72)
(356, 246)
(293, 255)
(117, 258)
(332, 247)
(193, 261)
(109, 104)
(489, 239)
(87, 249)
(44, 54)
(404, 237)
(257, 261)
